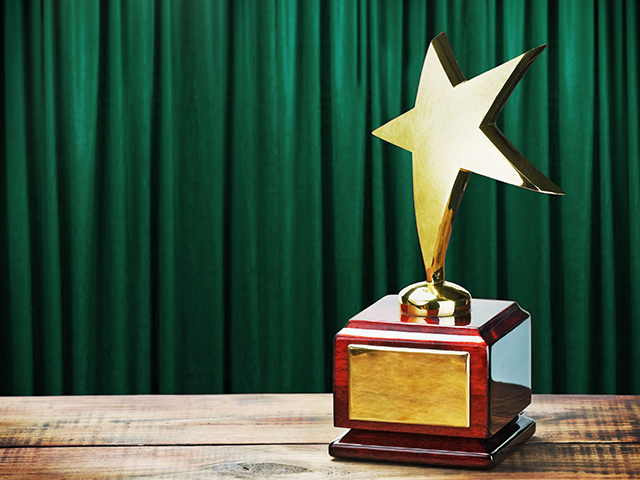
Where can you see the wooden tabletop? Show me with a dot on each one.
(281, 436)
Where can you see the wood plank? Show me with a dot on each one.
(531, 461)
(265, 419)
(585, 418)
(167, 420)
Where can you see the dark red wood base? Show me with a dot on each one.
(432, 449)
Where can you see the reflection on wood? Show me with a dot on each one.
(506, 400)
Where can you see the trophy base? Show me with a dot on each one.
(432, 449)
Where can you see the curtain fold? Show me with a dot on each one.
(191, 200)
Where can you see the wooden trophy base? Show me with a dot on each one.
(433, 449)
(435, 391)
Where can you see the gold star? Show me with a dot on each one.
(451, 131)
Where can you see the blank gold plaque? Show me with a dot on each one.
(407, 385)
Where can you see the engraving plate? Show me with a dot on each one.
(407, 385)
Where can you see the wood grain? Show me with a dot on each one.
(281, 436)
(585, 418)
(166, 420)
(531, 461)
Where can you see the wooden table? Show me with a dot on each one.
(281, 436)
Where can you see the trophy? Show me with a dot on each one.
(441, 378)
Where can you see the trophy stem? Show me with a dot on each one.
(436, 297)
(435, 241)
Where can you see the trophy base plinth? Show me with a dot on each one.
(432, 449)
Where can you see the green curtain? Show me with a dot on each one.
(191, 200)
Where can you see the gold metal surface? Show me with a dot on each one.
(451, 132)
(406, 385)
(441, 299)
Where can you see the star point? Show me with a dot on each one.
(451, 131)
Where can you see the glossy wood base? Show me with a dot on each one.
(498, 378)
(432, 449)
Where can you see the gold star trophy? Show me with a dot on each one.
(443, 379)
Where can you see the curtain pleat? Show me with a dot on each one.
(191, 200)
(631, 152)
